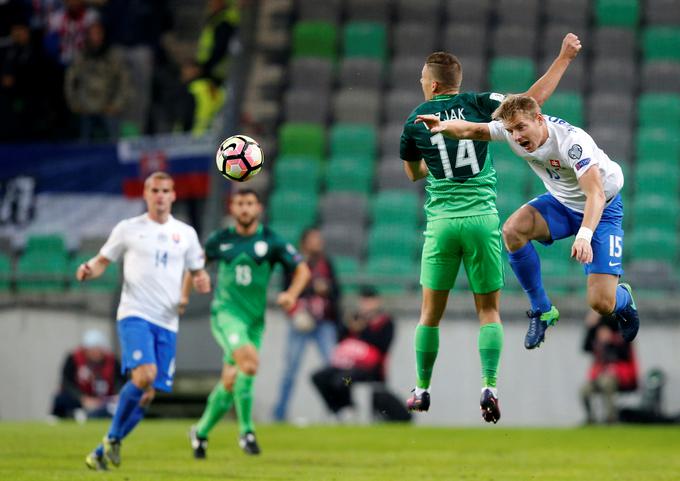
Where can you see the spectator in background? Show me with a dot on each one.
(614, 368)
(361, 356)
(314, 318)
(200, 100)
(215, 38)
(91, 377)
(97, 86)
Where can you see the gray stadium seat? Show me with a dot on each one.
(662, 12)
(574, 13)
(468, 11)
(613, 74)
(390, 135)
(574, 80)
(414, 39)
(343, 208)
(610, 109)
(357, 72)
(391, 175)
(344, 240)
(405, 72)
(422, 10)
(553, 34)
(514, 41)
(400, 103)
(615, 141)
(367, 10)
(661, 77)
(474, 74)
(328, 10)
(464, 39)
(310, 73)
(357, 106)
(518, 12)
(304, 106)
(608, 42)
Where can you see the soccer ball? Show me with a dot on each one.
(239, 158)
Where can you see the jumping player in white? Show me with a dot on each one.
(581, 200)
(157, 251)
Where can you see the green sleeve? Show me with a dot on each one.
(212, 246)
(488, 102)
(408, 150)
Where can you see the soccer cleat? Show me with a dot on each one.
(112, 450)
(248, 443)
(198, 444)
(629, 320)
(491, 411)
(96, 463)
(538, 324)
(418, 403)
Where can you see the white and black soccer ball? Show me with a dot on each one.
(239, 158)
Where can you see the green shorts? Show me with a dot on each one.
(232, 333)
(475, 240)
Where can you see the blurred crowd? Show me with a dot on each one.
(101, 69)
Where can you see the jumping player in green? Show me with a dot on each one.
(462, 219)
(246, 255)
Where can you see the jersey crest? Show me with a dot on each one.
(575, 152)
(555, 163)
(261, 248)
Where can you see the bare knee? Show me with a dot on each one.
(249, 366)
(247, 360)
(512, 237)
(143, 376)
(603, 305)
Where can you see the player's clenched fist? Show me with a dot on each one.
(571, 45)
(201, 281)
(84, 272)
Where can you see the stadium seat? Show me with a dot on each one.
(45, 244)
(396, 207)
(347, 271)
(661, 43)
(661, 76)
(344, 208)
(392, 276)
(293, 206)
(368, 10)
(511, 74)
(289, 231)
(301, 106)
(344, 239)
(421, 11)
(5, 272)
(315, 39)
(574, 79)
(657, 143)
(660, 177)
(610, 109)
(391, 175)
(361, 106)
(614, 42)
(551, 40)
(390, 138)
(653, 210)
(404, 72)
(327, 11)
(297, 173)
(474, 74)
(466, 39)
(311, 74)
(619, 13)
(44, 271)
(614, 75)
(565, 106)
(514, 41)
(662, 12)
(518, 12)
(361, 73)
(393, 241)
(509, 200)
(659, 110)
(470, 12)
(399, 104)
(365, 39)
(302, 139)
(404, 33)
(653, 244)
(353, 139)
(350, 174)
(572, 13)
(614, 140)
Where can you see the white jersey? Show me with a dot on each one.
(567, 154)
(155, 257)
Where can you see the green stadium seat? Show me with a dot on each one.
(396, 207)
(511, 74)
(659, 110)
(350, 174)
(660, 178)
(508, 202)
(107, 282)
(45, 271)
(353, 140)
(394, 242)
(365, 39)
(656, 211)
(347, 271)
(302, 140)
(297, 173)
(617, 13)
(292, 206)
(45, 243)
(289, 231)
(392, 275)
(661, 43)
(653, 244)
(656, 143)
(315, 39)
(567, 106)
(5, 272)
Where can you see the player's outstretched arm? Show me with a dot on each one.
(301, 277)
(93, 268)
(591, 183)
(544, 87)
(458, 129)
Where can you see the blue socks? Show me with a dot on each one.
(132, 421)
(623, 298)
(527, 268)
(128, 401)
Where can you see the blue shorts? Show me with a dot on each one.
(607, 240)
(142, 342)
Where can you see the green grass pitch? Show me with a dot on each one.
(159, 450)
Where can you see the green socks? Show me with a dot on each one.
(243, 394)
(219, 402)
(427, 346)
(490, 347)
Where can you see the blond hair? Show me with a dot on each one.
(445, 69)
(158, 175)
(516, 104)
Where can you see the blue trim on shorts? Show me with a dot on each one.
(142, 342)
(607, 240)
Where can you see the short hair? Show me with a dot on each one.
(516, 104)
(158, 175)
(307, 232)
(446, 69)
(246, 191)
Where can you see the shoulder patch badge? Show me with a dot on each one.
(575, 152)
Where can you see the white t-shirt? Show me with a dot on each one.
(567, 154)
(155, 257)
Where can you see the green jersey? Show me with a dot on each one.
(461, 180)
(245, 266)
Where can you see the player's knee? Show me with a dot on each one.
(144, 376)
(602, 305)
(512, 235)
(249, 366)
